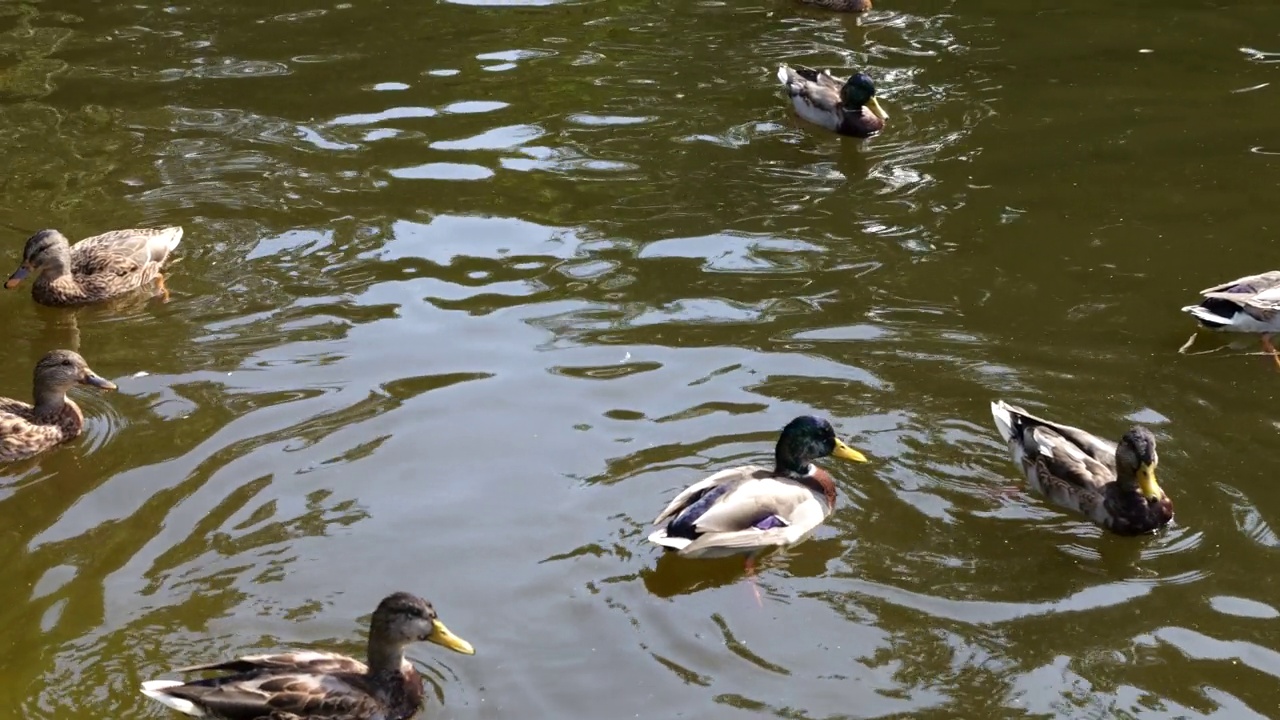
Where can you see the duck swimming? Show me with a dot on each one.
(95, 269)
(27, 430)
(1114, 485)
(309, 685)
(744, 509)
(846, 107)
(1250, 304)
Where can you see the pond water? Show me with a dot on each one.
(469, 289)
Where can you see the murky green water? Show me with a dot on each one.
(469, 289)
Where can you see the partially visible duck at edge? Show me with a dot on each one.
(313, 685)
(1250, 304)
(27, 430)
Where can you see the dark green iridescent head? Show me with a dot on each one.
(806, 439)
(860, 91)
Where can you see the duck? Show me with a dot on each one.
(1250, 304)
(1112, 484)
(97, 268)
(310, 684)
(846, 107)
(27, 430)
(749, 508)
(852, 6)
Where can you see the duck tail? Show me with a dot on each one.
(170, 237)
(1207, 316)
(160, 243)
(1003, 414)
(155, 689)
(660, 537)
(784, 74)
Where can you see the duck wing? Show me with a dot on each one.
(302, 661)
(1258, 295)
(753, 503)
(123, 252)
(1038, 436)
(738, 509)
(1068, 466)
(778, 527)
(286, 686)
(9, 406)
(272, 696)
(21, 437)
(695, 492)
(815, 95)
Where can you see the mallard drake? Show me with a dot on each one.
(1113, 485)
(301, 685)
(27, 430)
(854, 6)
(96, 268)
(749, 508)
(1250, 304)
(847, 107)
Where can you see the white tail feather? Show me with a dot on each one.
(660, 537)
(1202, 313)
(1004, 419)
(170, 237)
(154, 689)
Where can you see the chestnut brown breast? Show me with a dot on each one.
(822, 479)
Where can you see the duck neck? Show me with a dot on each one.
(385, 656)
(50, 401)
(55, 272)
(817, 480)
(787, 465)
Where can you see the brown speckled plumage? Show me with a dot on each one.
(315, 685)
(1112, 484)
(30, 429)
(96, 268)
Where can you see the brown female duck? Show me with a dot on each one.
(1112, 485)
(96, 268)
(303, 685)
(27, 430)
(846, 107)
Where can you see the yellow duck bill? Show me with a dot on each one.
(442, 636)
(845, 452)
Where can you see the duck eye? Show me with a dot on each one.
(66, 363)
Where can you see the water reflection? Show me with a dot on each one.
(468, 290)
